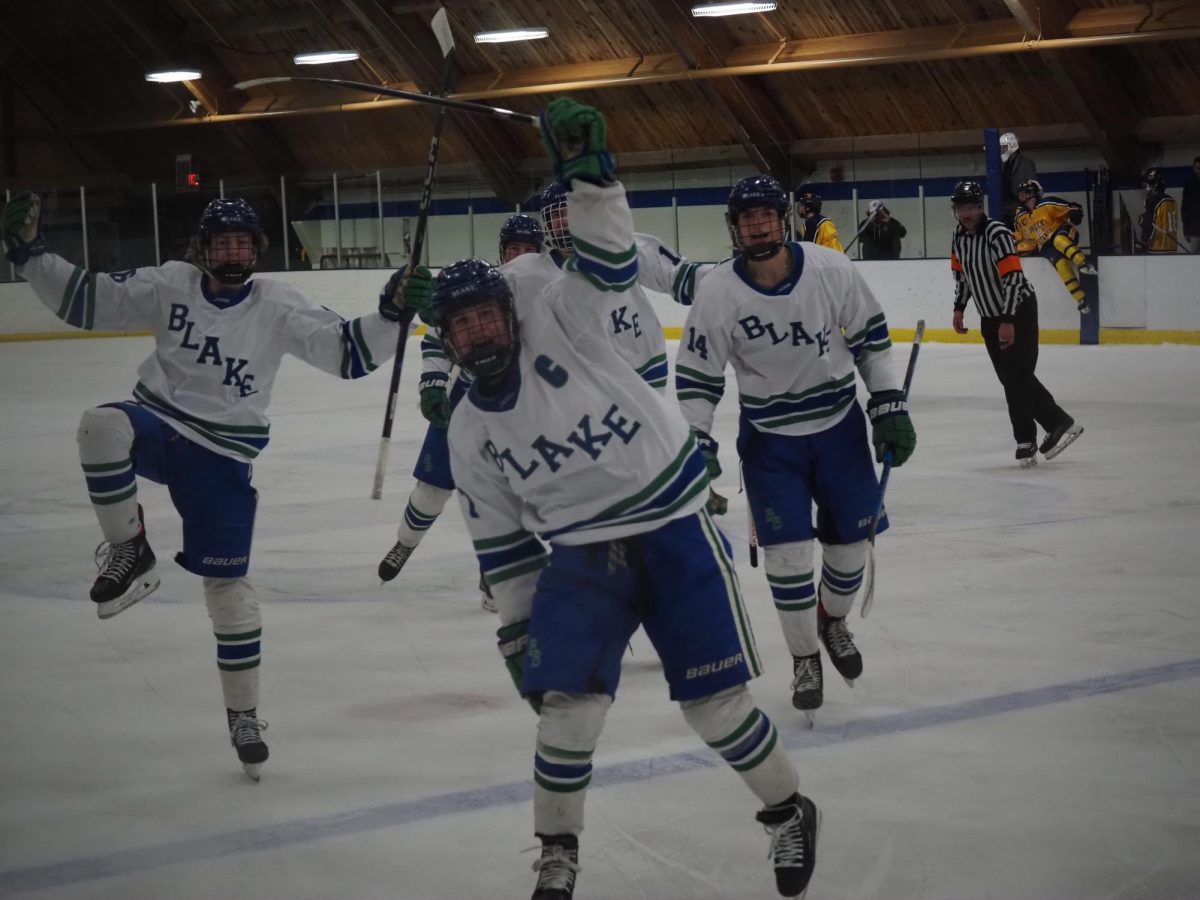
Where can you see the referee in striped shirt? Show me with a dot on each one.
(987, 269)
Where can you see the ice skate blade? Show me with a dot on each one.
(1029, 463)
(145, 586)
(1067, 440)
(253, 771)
(810, 719)
(849, 681)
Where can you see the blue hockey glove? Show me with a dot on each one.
(709, 448)
(576, 138)
(514, 641)
(891, 428)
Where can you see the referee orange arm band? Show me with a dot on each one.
(1008, 265)
(955, 264)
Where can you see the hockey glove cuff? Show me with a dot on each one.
(513, 643)
(891, 427)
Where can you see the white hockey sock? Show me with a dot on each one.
(731, 724)
(425, 504)
(790, 577)
(841, 576)
(233, 607)
(568, 729)
(105, 439)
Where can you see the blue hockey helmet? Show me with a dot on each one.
(229, 214)
(523, 229)
(485, 349)
(226, 216)
(553, 211)
(757, 192)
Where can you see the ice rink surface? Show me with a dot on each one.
(1027, 727)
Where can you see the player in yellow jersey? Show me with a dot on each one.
(1049, 224)
(1158, 225)
(817, 228)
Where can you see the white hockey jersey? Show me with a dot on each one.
(215, 358)
(577, 449)
(793, 349)
(628, 316)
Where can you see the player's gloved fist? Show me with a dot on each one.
(19, 228)
(709, 448)
(513, 642)
(435, 402)
(716, 504)
(415, 294)
(891, 428)
(576, 138)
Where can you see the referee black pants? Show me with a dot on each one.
(1029, 403)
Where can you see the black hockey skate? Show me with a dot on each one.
(557, 867)
(126, 574)
(839, 644)
(394, 561)
(808, 685)
(1060, 438)
(1027, 455)
(793, 826)
(245, 733)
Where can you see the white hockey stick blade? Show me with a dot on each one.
(441, 30)
(868, 585)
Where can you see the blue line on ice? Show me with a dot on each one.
(268, 837)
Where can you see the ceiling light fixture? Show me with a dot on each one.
(169, 75)
(731, 9)
(513, 34)
(322, 57)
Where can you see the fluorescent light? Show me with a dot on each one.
(731, 9)
(324, 56)
(514, 34)
(174, 75)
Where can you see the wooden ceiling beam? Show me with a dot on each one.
(408, 42)
(1089, 28)
(762, 127)
(1084, 80)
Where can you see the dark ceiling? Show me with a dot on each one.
(812, 79)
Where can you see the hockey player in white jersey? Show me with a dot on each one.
(627, 317)
(519, 235)
(795, 319)
(560, 440)
(197, 418)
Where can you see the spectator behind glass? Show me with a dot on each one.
(881, 233)
(1191, 210)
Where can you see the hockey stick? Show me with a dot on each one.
(854, 240)
(441, 28)
(479, 109)
(1170, 237)
(869, 577)
(752, 532)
